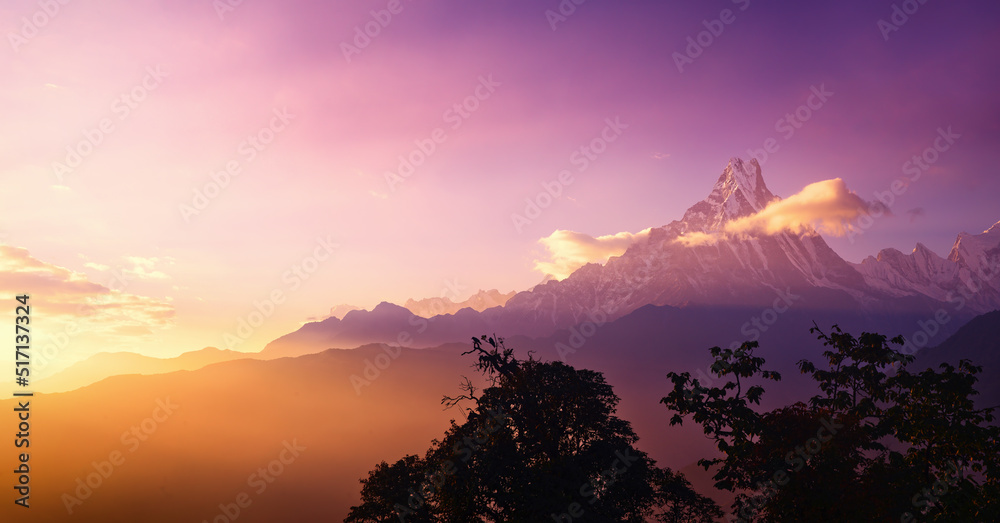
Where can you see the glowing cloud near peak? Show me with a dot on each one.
(570, 250)
(827, 207)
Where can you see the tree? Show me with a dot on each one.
(878, 443)
(542, 443)
(386, 487)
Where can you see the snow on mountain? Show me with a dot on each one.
(745, 270)
(740, 191)
(741, 270)
(480, 301)
(977, 253)
(969, 276)
(749, 269)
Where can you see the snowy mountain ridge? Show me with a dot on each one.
(659, 270)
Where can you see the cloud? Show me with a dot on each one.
(693, 239)
(827, 207)
(145, 268)
(67, 296)
(569, 250)
(136, 267)
(20, 273)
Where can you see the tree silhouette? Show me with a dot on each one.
(542, 443)
(879, 443)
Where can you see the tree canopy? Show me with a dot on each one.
(878, 443)
(542, 443)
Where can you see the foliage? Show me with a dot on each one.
(878, 443)
(541, 444)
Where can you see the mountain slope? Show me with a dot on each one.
(106, 364)
(977, 341)
(189, 442)
(969, 276)
(729, 270)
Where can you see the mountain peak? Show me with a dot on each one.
(390, 308)
(976, 250)
(480, 301)
(340, 311)
(745, 175)
(740, 191)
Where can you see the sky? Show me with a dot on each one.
(171, 167)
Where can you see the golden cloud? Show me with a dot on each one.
(70, 296)
(569, 250)
(827, 207)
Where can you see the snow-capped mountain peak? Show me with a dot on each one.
(740, 191)
(731, 271)
(748, 268)
(971, 270)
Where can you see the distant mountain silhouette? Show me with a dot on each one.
(979, 341)
(231, 420)
(354, 408)
(657, 308)
(105, 364)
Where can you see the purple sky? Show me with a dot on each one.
(324, 173)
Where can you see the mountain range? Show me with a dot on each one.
(344, 390)
(480, 301)
(891, 290)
